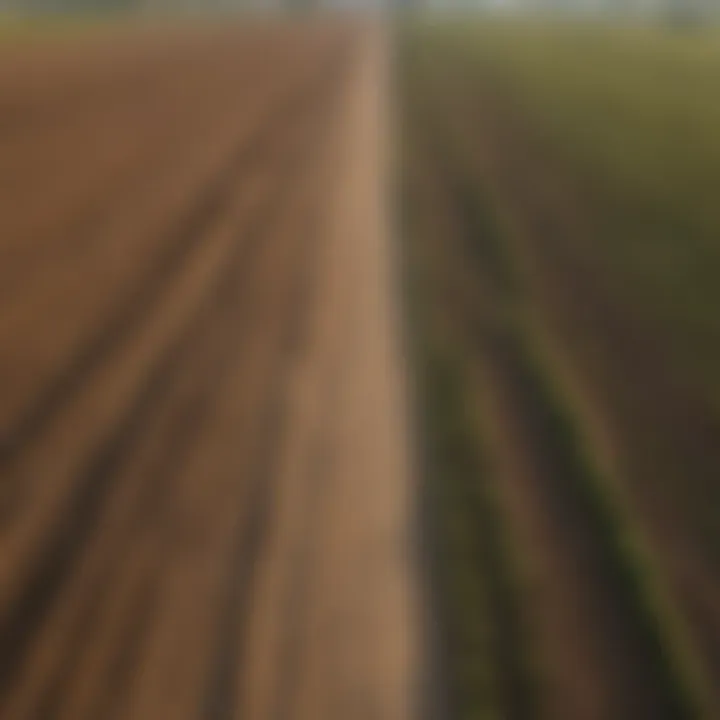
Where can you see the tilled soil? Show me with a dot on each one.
(205, 498)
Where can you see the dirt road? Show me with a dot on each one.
(205, 497)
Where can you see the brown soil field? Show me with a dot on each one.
(206, 492)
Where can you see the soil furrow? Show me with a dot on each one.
(185, 235)
(215, 362)
(80, 517)
(183, 310)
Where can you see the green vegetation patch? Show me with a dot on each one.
(596, 122)
(634, 114)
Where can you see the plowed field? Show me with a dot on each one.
(204, 462)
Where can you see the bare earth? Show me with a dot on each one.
(205, 467)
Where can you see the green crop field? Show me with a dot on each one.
(634, 113)
(560, 206)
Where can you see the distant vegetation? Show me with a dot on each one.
(31, 6)
(54, 7)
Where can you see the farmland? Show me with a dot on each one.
(204, 496)
(559, 208)
(268, 451)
